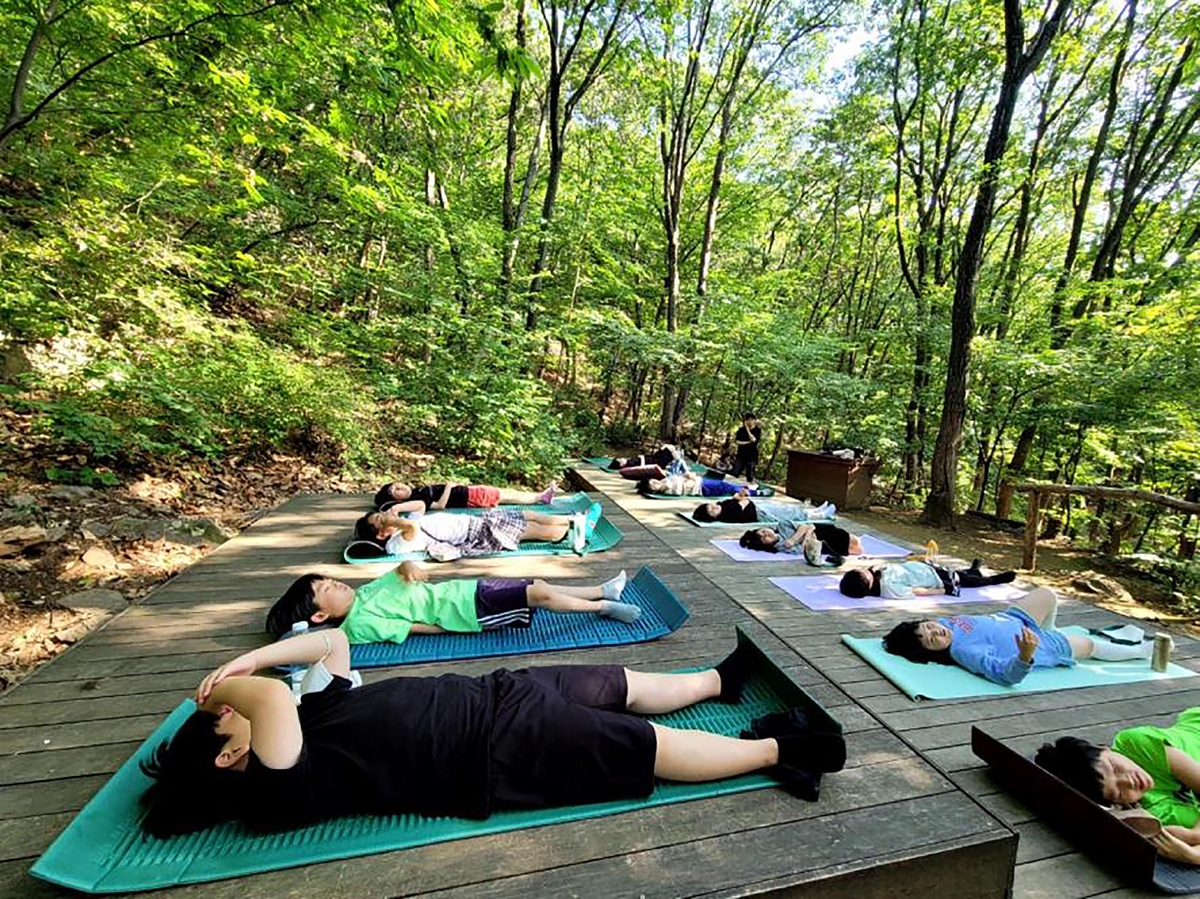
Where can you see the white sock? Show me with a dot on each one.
(1114, 652)
(622, 611)
(614, 587)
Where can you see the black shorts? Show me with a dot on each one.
(562, 737)
(502, 602)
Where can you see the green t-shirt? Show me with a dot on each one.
(385, 610)
(1169, 801)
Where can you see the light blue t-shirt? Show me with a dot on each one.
(987, 645)
(899, 578)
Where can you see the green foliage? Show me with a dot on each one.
(281, 228)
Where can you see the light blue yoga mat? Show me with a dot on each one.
(662, 613)
(933, 681)
(768, 515)
(105, 850)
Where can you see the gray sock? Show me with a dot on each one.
(622, 611)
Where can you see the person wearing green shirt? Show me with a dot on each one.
(1157, 768)
(404, 602)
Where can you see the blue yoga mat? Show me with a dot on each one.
(933, 681)
(662, 613)
(105, 850)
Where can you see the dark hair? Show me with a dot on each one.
(903, 641)
(702, 514)
(297, 604)
(384, 496)
(617, 463)
(859, 582)
(643, 487)
(189, 791)
(746, 416)
(1073, 761)
(752, 540)
(364, 530)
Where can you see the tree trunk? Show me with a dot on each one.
(940, 504)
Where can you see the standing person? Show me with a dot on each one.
(747, 439)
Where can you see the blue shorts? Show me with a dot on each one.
(1054, 650)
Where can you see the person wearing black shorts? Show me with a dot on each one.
(451, 745)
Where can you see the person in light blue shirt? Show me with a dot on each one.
(1006, 646)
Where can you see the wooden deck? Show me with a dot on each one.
(912, 814)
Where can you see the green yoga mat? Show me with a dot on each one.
(605, 536)
(933, 681)
(104, 850)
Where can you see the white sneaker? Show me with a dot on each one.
(614, 587)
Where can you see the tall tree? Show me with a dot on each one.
(1020, 59)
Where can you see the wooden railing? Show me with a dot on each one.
(1036, 491)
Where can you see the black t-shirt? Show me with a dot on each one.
(416, 745)
(431, 493)
(748, 449)
(836, 540)
(732, 512)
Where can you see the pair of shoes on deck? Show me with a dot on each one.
(583, 525)
(805, 752)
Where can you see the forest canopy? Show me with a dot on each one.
(961, 234)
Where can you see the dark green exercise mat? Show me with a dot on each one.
(605, 536)
(104, 850)
(662, 614)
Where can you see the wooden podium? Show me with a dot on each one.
(822, 477)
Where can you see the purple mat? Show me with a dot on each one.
(821, 594)
(873, 548)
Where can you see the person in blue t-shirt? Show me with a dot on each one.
(1006, 646)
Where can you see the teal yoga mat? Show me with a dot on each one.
(934, 681)
(562, 505)
(605, 536)
(662, 614)
(603, 462)
(104, 850)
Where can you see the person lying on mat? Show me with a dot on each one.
(453, 746)
(1006, 646)
(1156, 767)
(403, 602)
(401, 497)
(662, 457)
(445, 536)
(813, 541)
(906, 580)
(693, 484)
(738, 509)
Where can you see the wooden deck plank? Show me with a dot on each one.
(96, 701)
